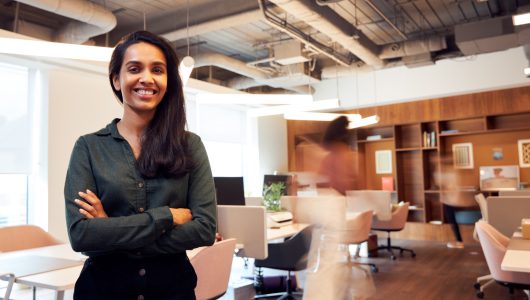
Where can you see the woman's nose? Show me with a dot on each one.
(146, 77)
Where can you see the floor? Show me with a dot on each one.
(435, 273)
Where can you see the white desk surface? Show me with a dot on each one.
(517, 256)
(285, 231)
(58, 280)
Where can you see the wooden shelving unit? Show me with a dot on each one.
(423, 172)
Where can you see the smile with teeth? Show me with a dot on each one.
(145, 92)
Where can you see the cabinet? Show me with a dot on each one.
(424, 172)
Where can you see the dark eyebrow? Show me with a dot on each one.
(135, 62)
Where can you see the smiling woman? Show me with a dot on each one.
(139, 192)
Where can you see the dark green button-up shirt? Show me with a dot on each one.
(140, 223)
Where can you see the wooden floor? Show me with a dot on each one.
(436, 272)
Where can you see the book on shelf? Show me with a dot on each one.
(374, 137)
(449, 131)
(387, 183)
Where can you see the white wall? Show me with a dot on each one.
(447, 77)
(79, 103)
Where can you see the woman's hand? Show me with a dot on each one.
(180, 215)
(91, 207)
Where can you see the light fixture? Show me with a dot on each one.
(521, 19)
(253, 99)
(364, 122)
(527, 71)
(55, 50)
(185, 67)
(187, 63)
(318, 116)
(282, 109)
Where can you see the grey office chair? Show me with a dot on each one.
(291, 255)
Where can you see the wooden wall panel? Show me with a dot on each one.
(463, 106)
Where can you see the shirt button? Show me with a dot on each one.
(141, 272)
(140, 184)
(141, 209)
(140, 297)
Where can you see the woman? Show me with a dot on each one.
(338, 166)
(139, 192)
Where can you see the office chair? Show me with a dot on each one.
(291, 255)
(213, 265)
(396, 223)
(13, 238)
(356, 231)
(494, 245)
(486, 280)
(10, 277)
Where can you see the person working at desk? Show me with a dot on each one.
(338, 165)
(140, 192)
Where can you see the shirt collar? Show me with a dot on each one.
(111, 129)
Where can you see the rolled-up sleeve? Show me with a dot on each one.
(201, 201)
(126, 232)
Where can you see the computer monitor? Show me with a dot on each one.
(229, 190)
(288, 180)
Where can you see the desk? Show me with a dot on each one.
(284, 231)
(55, 279)
(517, 256)
(52, 277)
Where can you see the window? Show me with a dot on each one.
(15, 154)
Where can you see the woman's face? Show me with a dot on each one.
(143, 78)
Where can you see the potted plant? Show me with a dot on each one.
(272, 194)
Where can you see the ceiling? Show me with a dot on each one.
(282, 45)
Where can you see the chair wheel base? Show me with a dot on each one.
(480, 295)
(476, 286)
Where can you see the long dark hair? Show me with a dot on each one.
(337, 132)
(164, 142)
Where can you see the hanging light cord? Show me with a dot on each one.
(188, 25)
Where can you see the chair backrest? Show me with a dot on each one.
(494, 245)
(13, 238)
(357, 228)
(397, 222)
(247, 224)
(525, 192)
(324, 210)
(505, 213)
(213, 265)
(377, 201)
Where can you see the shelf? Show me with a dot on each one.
(432, 191)
(416, 208)
(374, 141)
(463, 133)
(429, 148)
(408, 149)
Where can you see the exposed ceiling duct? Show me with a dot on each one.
(290, 80)
(490, 35)
(92, 19)
(327, 21)
(413, 47)
(213, 25)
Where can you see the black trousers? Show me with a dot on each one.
(165, 277)
(449, 212)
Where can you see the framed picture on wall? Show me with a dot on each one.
(383, 162)
(463, 156)
(499, 178)
(524, 153)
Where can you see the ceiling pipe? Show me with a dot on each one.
(253, 76)
(92, 19)
(414, 47)
(382, 15)
(213, 25)
(298, 35)
(328, 22)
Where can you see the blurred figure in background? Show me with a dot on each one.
(338, 165)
